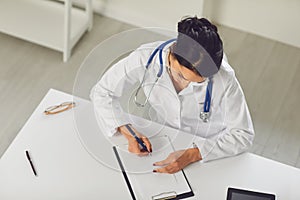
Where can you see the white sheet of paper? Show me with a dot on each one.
(144, 182)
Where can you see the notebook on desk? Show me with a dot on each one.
(142, 182)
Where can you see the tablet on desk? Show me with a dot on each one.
(239, 194)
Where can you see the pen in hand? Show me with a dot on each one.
(137, 138)
(30, 161)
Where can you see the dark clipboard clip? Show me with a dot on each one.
(165, 196)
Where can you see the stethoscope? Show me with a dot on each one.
(204, 115)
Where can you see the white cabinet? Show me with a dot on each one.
(54, 24)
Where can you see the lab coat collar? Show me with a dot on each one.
(192, 86)
(199, 84)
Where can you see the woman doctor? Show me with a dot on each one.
(203, 98)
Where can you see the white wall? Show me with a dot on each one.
(149, 13)
(274, 19)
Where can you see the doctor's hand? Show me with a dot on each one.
(178, 160)
(133, 145)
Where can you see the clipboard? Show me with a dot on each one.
(163, 186)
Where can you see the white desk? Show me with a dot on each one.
(66, 170)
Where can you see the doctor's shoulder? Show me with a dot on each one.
(146, 49)
(140, 55)
(226, 74)
(226, 69)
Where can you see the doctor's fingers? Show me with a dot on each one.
(169, 169)
(167, 161)
(134, 147)
(173, 157)
(147, 143)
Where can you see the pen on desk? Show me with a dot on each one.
(137, 138)
(30, 161)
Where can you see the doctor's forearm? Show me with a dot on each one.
(229, 144)
(126, 133)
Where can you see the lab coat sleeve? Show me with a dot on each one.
(106, 94)
(238, 135)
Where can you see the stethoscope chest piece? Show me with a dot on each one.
(204, 116)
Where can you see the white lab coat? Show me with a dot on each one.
(229, 130)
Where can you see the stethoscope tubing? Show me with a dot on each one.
(206, 110)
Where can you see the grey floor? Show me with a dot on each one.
(266, 69)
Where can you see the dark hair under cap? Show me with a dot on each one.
(198, 46)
